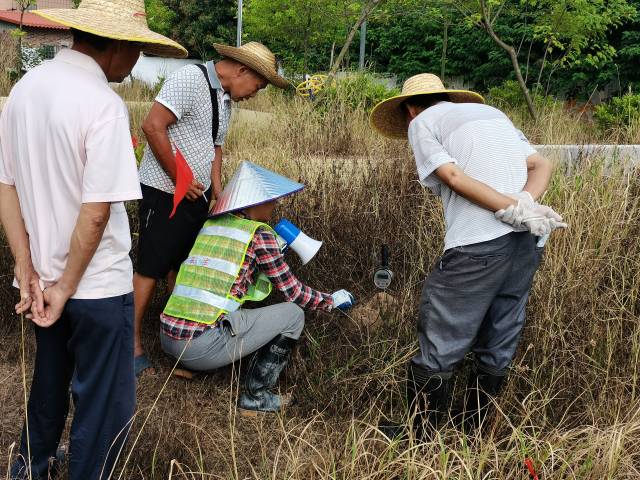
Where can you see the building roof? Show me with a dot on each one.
(30, 20)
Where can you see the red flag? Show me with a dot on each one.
(532, 471)
(184, 178)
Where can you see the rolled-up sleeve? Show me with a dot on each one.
(110, 173)
(429, 154)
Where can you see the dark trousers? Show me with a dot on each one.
(93, 342)
(474, 300)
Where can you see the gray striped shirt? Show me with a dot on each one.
(485, 145)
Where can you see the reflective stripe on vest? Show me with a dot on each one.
(227, 232)
(205, 280)
(213, 263)
(227, 304)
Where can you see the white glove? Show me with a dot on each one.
(343, 300)
(528, 215)
(514, 215)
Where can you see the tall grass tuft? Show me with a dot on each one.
(8, 62)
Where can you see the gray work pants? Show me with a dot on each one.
(242, 333)
(474, 300)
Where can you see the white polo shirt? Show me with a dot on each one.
(484, 143)
(64, 141)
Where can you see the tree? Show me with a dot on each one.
(19, 33)
(160, 17)
(367, 9)
(302, 32)
(198, 24)
(568, 26)
(414, 35)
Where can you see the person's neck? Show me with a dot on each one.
(103, 59)
(222, 76)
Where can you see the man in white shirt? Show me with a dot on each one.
(488, 177)
(192, 113)
(66, 168)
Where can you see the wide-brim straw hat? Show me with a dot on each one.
(116, 19)
(253, 185)
(389, 117)
(258, 58)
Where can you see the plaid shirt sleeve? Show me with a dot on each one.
(271, 262)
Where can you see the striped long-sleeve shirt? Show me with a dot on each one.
(263, 255)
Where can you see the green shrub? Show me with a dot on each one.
(620, 112)
(509, 95)
(358, 91)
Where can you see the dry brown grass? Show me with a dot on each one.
(572, 403)
(8, 61)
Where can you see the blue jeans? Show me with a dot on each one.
(93, 342)
(474, 300)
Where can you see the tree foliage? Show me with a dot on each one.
(565, 47)
(302, 32)
(198, 24)
(160, 17)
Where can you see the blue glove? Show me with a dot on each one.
(343, 300)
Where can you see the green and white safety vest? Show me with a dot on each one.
(203, 286)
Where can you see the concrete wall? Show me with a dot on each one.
(6, 26)
(38, 37)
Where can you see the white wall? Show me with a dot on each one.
(151, 69)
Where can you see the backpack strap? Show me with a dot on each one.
(215, 114)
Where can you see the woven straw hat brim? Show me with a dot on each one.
(390, 119)
(105, 25)
(254, 62)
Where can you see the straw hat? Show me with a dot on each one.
(257, 57)
(117, 19)
(389, 116)
(253, 185)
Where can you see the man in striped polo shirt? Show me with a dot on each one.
(488, 177)
(192, 113)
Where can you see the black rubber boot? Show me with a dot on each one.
(481, 388)
(262, 375)
(429, 397)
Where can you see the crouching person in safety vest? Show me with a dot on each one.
(237, 258)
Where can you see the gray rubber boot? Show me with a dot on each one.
(262, 376)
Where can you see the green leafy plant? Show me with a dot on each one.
(510, 95)
(359, 91)
(620, 112)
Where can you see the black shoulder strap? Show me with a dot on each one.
(214, 104)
